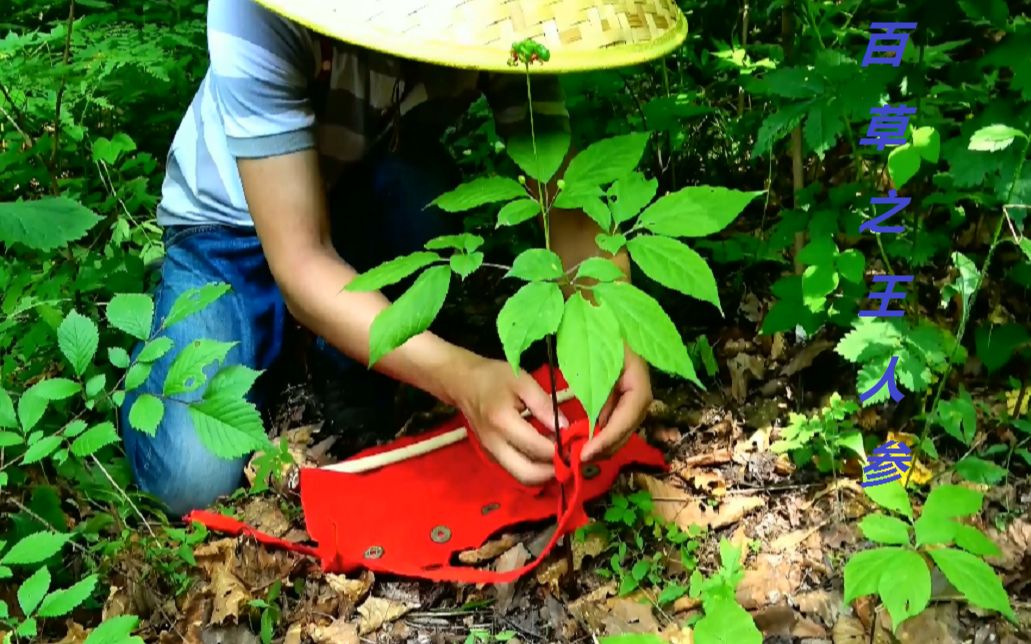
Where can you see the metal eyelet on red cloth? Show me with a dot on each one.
(441, 534)
(591, 470)
(490, 507)
(374, 552)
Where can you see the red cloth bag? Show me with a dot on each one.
(411, 518)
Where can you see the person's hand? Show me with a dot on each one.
(624, 411)
(492, 398)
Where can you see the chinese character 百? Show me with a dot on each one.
(891, 200)
(887, 463)
(890, 42)
(888, 379)
(888, 126)
(886, 296)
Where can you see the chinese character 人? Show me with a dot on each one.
(887, 463)
(890, 42)
(887, 380)
(888, 126)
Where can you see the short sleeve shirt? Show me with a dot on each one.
(274, 87)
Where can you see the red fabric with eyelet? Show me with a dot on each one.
(398, 507)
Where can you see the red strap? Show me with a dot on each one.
(229, 525)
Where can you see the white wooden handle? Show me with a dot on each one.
(376, 461)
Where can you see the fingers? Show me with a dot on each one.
(523, 437)
(539, 402)
(626, 416)
(518, 465)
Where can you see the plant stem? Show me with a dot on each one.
(60, 91)
(964, 317)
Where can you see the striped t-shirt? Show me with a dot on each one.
(275, 87)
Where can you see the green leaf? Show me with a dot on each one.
(541, 156)
(881, 528)
(95, 385)
(534, 311)
(137, 375)
(868, 338)
(45, 224)
(10, 439)
(232, 381)
(994, 138)
(1025, 245)
(464, 265)
(145, 414)
(975, 542)
(864, 570)
(392, 271)
(630, 195)
(818, 281)
(7, 416)
(952, 502)
(115, 630)
(851, 264)
(229, 427)
(998, 343)
(97, 437)
(695, 211)
(647, 328)
(25, 629)
(33, 589)
(34, 400)
(905, 588)
(974, 579)
(958, 417)
(903, 164)
(518, 211)
(590, 352)
(600, 269)
(978, 470)
(62, 602)
(78, 338)
(726, 622)
(479, 192)
(927, 141)
(410, 314)
(606, 160)
(109, 150)
(933, 529)
(132, 313)
(891, 496)
(155, 349)
(611, 244)
(35, 548)
(42, 449)
(118, 357)
(193, 301)
(640, 569)
(676, 266)
(463, 242)
(187, 371)
(536, 264)
(670, 594)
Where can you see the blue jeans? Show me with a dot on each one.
(377, 213)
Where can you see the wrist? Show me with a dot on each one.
(452, 374)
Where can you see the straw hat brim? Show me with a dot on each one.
(581, 35)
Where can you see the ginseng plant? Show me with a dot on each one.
(603, 310)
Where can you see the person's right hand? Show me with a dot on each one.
(492, 398)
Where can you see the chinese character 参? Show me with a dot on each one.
(887, 463)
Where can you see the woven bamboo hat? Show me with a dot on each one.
(478, 34)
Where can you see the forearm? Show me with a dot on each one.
(312, 290)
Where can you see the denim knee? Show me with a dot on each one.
(174, 466)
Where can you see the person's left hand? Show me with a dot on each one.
(624, 411)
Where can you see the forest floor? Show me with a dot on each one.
(795, 530)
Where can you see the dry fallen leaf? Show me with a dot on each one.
(770, 579)
(551, 572)
(781, 620)
(921, 475)
(677, 634)
(76, 634)
(848, 630)
(938, 623)
(742, 368)
(229, 595)
(376, 612)
(487, 551)
(513, 558)
(821, 604)
(685, 603)
(591, 545)
(674, 505)
(792, 540)
(338, 632)
(705, 481)
(717, 457)
(294, 634)
(264, 514)
(353, 590)
(629, 615)
(804, 358)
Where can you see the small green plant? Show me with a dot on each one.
(899, 572)
(724, 619)
(632, 530)
(483, 636)
(821, 437)
(269, 612)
